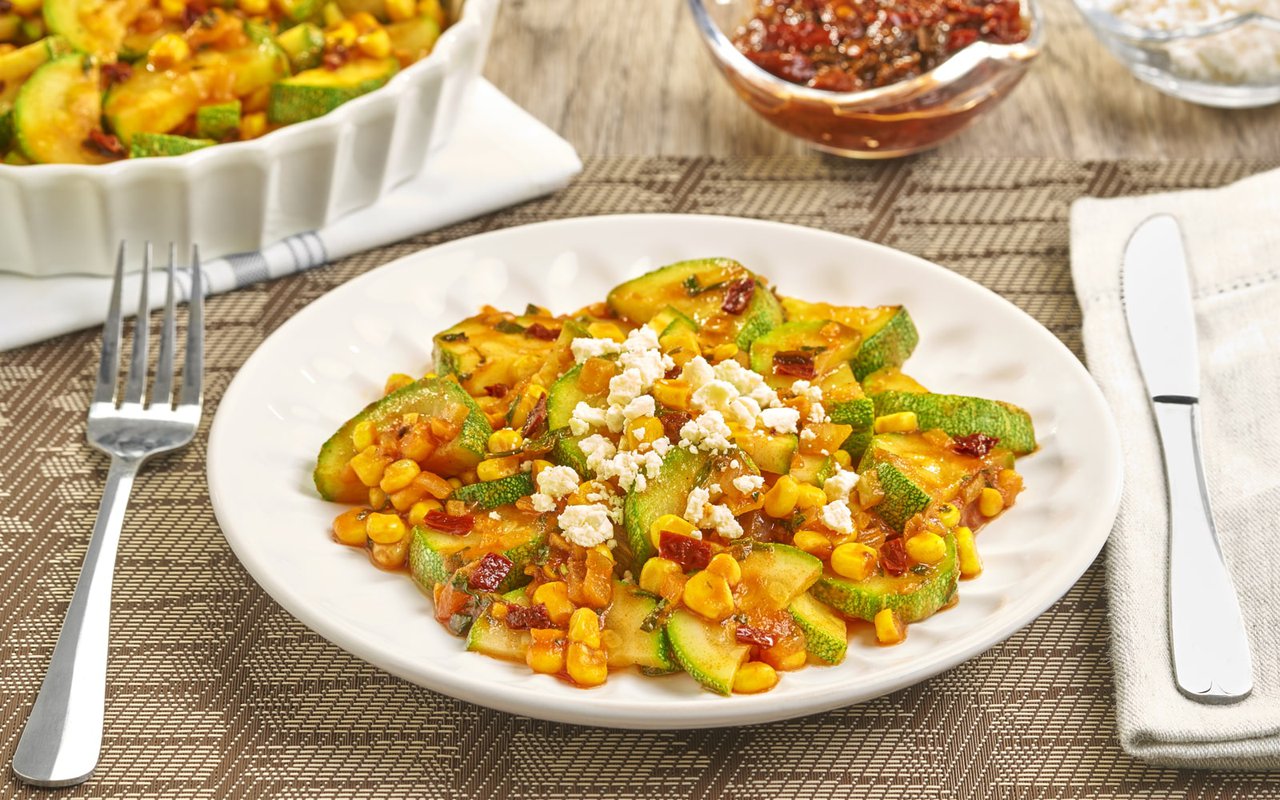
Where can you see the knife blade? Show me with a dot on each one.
(1207, 639)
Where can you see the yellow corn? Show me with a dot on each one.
(948, 515)
(669, 522)
(606, 330)
(546, 651)
(709, 594)
(254, 8)
(173, 9)
(505, 440)
(396, 380)
(890, 629)
(492, 469)
(349, 527)
(672, 393)
(362, 435)
(781, 499)
(418, 511)
(168, 50)
(455, 482)
(753, 677)
(528, 399)
(926, 548)
(253, 125)
(991, 502)
(654, 573)
(727, 567)
(399, 474)
(429, 376)
(681, 345)
(902, 422)
(400, 10)
(812, 542)
(498, 610)
(375, 43)
(364, 21)
(967, 553)
(722, 351)
(539, 465)
(603, 549)
(584, 626)
(555, 596)
(643, 429)
(377, 498)
(853, 560)
(433, 9)
(586, 666)
(332, 14)
(810, 496)
(384, 528)
(786, 660)
(390, 556)
(843, 458)
(369, 465)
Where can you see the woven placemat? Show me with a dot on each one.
(214, 691)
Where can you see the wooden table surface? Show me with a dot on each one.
(632, 78)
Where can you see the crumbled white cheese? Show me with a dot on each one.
(720, 517)
(780, 420)
(747, 483)
(744, 411)
(584, 418)
(700, 512)
(625, 387)
(598, 451)
(715, 395)
(837, 516)
(495, 515)
(697, 372)
(807, 435)
(593, 348)
(839, 486)
(817, 414)
(707, 431)
(642, 406)
(542, 503)
(558, 481)
(803, 388)
(586, 525)
(748, 383)
(696, 505)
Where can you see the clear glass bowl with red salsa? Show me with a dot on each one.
(871, 78)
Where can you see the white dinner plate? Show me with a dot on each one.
(331, 359)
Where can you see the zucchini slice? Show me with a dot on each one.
(94, 28)
(770, 452)
(151, 102)
(698, 290)
(315, 92)
(916, 594)
(826, 634)
(774, 575)
(150, 145)
(488, 495)
(562, 399)
(498, 348)
(682, 471)
(303, 44)
(914, 470)
(218, 122)
(888, 334)
(435, 556)
(430, 397)
(56, 109)
(493, 638)
(829, 345)
(708, 651)
(629, 644)
(961, 416)
(17, 65)
(414, 38)
(846, 404)
(891, 379)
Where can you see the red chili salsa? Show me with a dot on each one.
(852, 45)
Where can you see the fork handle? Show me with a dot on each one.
(60, 744)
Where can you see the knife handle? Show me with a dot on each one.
(1211, 661)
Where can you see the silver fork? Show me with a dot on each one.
(60, 744)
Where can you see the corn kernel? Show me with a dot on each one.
(586, 666)
(555, 596)
(390, 556)
(362, 435)
(810, 496)
(364, 21)
(948, 515)
(432, 9)
(498, 610)
(369, 465)
(584, 626)
(396, 380)
(418, 511)
(890, 629)
(843, 458)
(606, 330)
(784, 659)
(991, 502)
(727, 567)
(967, 553)
(672, 393)
(375, 43)
(332, 14)
(723, 351)
(505, 440)
(926, 548)
(399, 474)
(672, 523)
(902, 422)
(254, 8)
(595, 375)
(814, 543)
(539, 465)
(643, 429)
(780, 501)
(400, 10)
(168, 50)
(753, 677)
(377, 498)
(492, 469)
(546, 651)
(173, 9)
(709, 594)
(681, 345)
(854, 560)
(384, 528)
(603, 549)
(455, 482)
(253, 125)
(654, 573)
(349, 527)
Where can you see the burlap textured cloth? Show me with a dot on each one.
(213, 691)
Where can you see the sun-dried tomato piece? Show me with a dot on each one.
(5, 6)
(195, 12)
(498, 390)
(748, 634)
(334, 58)
(104, 144)
(975, 444)
(520, 618)
(672, 422)
(113, 73)
(893, 557)
(457, 524)
(796, 363)
(737, 296)
(489, 572)
(537, 420)
(539, 331)
(686, 551)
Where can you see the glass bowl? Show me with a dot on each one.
(895, 120)
(1206, 63)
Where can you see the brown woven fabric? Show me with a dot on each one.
(214, 691)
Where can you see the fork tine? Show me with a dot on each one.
(162, 388)
(137, 380)
(193, 371)
(109, 365)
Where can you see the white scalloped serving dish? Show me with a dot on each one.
(331, 358)
(232, 198)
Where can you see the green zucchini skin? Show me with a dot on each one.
(781, 571)
(152, 145)
(17, 65)
(315, 92)
(830, 351)
(562, 398)
(913, 597)
(435, 556)
(887, 346)
(429, 397)
(493, 638)
(826, 634)
(304, 44)
(706, 650)
(63, 18)
(488, 495)
(56, 109)
(416, 37)
(860, 413)
(218, 122)
(960, 416)
(651, 650)
(681, 472)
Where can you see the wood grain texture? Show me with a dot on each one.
(619, 78)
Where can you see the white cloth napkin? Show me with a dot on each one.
(1233, 246)
(498, 156)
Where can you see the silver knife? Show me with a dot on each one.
(1211, 661)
